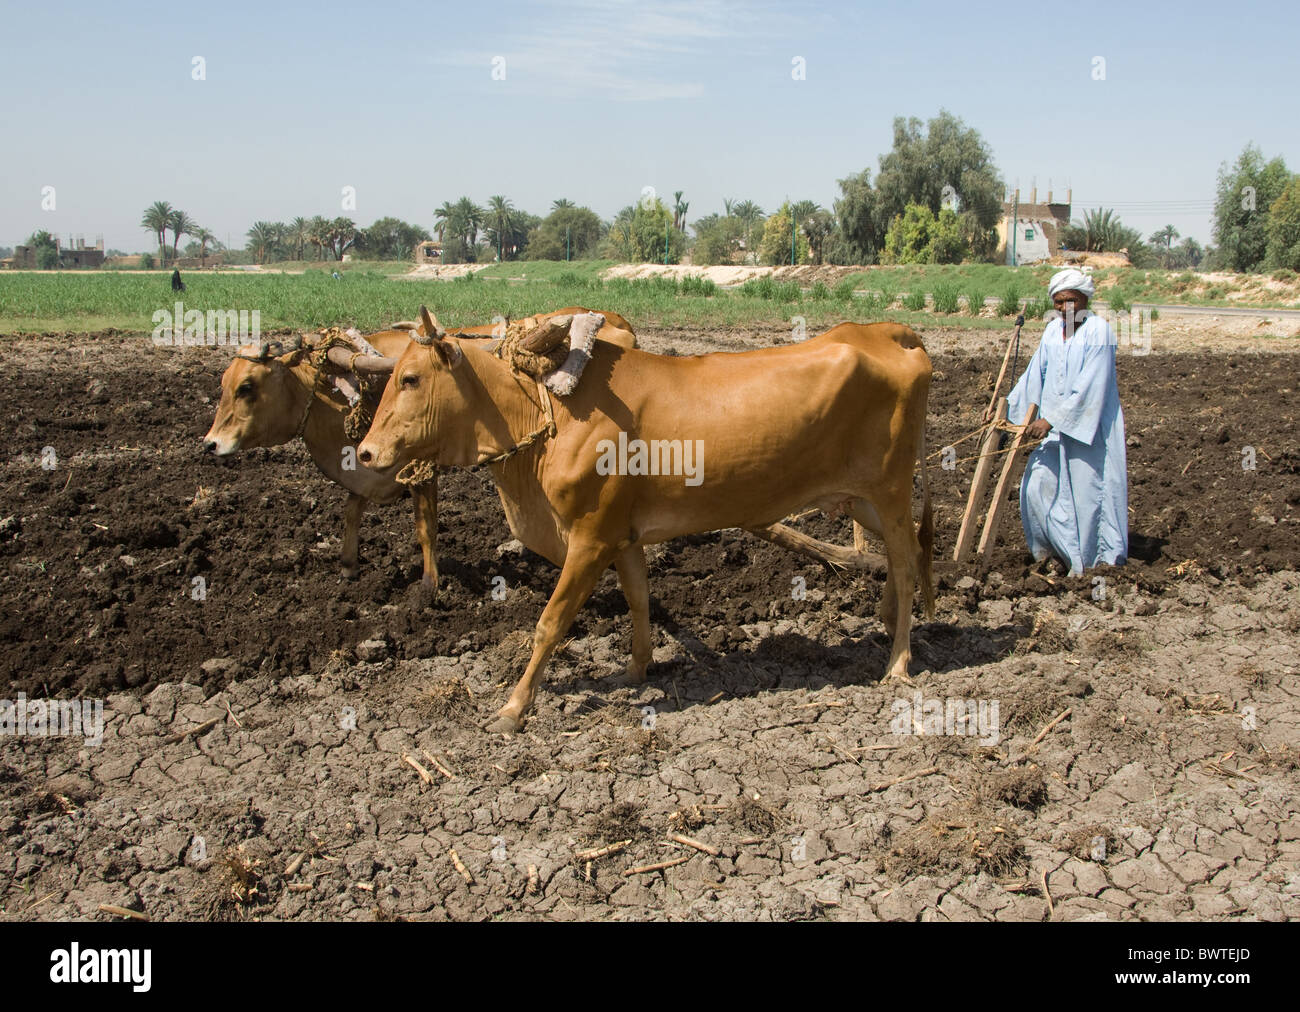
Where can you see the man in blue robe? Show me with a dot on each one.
(1074, 495)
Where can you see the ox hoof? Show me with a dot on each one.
(897, 678)
(430, 583)
(351, 572)
(504, 725)
(629, 677)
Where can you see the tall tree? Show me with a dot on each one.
(205, 238)
(441, 218)
(1165, 235)
(318, 234)
(260, 239)
(562, 204)
(157, 219)
(1245, 193)
(499, 212)
(181, 224)
(751, 216)
(298, 236)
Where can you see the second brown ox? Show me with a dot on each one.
(835, 422)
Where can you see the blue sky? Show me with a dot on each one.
(600, 99)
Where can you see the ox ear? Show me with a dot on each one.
(430, 325)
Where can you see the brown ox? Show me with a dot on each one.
(273, 400)
(835, 422)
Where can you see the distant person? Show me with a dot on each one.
(336, 275)
(1074, 495)
(177, 284)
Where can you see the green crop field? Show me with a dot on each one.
(371, 295)
(56, 302)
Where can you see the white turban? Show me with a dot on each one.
(1071, 279)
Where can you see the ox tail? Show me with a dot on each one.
(926, 536)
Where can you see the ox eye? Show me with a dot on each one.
(410, 381)
(245, 389)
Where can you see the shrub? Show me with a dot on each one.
(975, 301)
(1119, 300)
(147, 262)
(819, 292)
(1285, 274)
(787, 291)
(1009, 303)
(695, 285)
(844, 291)
(1036, 309)
(914, 300)
(759, 288)
(945, 299)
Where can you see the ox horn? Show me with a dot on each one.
(547, 336)
(432, 329)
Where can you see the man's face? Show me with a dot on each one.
(1069, 301)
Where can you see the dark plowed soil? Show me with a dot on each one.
(131, 563)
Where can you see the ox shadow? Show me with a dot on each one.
(791, 661)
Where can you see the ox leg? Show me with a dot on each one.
(896, 601)
(634, 575)
(352, 511)
(583, 566)
(426, 528)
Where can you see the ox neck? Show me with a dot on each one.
(514, 416)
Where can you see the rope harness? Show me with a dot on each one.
(520, 360)
(361, 414)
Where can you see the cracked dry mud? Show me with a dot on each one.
(1169, 790)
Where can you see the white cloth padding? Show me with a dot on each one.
(582, 336)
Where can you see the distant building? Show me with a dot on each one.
(75, 254)
(428, 252)
(1035, 236)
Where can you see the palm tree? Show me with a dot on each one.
(562, 204)
(279, 238)
(298, 234)
(464, 224)
(727, 203)
(180, 224)
(679, 211)
(157, 219)
(1165, 235)
(260, 237)
(499, 210)
(204, 237)
(342, 234)
(750, 214)
(441, 218)
(317, 235)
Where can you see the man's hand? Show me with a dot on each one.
(1038, 428)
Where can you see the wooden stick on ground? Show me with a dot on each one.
(996, 508)
(198, 729)
(599, 852)
(660, 866)
(886, 784)
(460, 865)
(117, 911)
(533, 879)
(1051, 907)
(688, 842)
(1043, 733)
(441, 768)
(414, 763)
(978, 485)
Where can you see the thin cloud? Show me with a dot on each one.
(625, 50)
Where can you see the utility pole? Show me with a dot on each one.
(567, 256)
